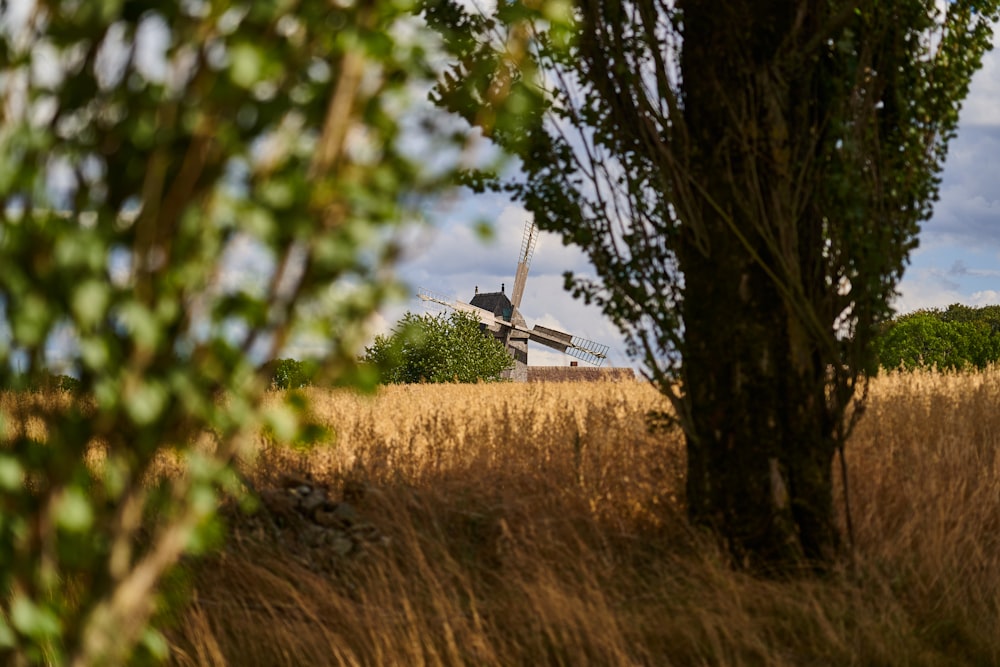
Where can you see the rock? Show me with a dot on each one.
(318, 531)
(358, 492)
(336, 515)
(312, 500)
(346, 513)
(293, 483)
(341, 545)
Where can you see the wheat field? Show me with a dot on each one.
(541, 524)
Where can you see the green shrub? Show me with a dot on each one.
(428, 348)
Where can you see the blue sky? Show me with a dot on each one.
(958, 260)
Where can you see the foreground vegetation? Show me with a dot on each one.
(542, 524)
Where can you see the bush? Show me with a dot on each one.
(428, 348)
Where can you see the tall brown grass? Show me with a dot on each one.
(542, 525)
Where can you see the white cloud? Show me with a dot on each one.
(152, 41)
(987, 297)
(380, 325)
(959, 268)
(541, 356)
(925, 289)
(935, 288)
(246, 264)
(969, 209)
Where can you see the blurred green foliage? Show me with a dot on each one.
(185, 189)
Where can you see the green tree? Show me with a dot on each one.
(144, 147)
(748, 180)
(989, 316)
(429, 348)
(959, 337)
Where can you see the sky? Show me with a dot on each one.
(451, 259)
(957, 261)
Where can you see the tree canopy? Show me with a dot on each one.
(748, 180)
(438, 348)
(959, 337)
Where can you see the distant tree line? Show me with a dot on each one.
(959, 337)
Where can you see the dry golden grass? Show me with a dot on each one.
(541, 525)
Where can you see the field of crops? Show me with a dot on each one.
(541, 524)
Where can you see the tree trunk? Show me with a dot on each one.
(761, 448)
(761, 434)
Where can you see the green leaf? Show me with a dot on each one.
(33, 620)
(11, 472)
(7, 637)
(282, 421)
(73, 511)
(90, 302)
(246, 64)
(146, 402)
(156, 644)
(127, 203)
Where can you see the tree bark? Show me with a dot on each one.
(761, 434)
(761, 448)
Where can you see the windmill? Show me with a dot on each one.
(502, 316)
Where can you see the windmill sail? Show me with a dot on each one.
(492, 322)
(574, 346)
(528, 240)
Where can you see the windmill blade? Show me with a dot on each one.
(528, 240)
(492, 322)
(580, 348)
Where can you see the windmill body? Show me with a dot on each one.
(515, 340)
(501, 315)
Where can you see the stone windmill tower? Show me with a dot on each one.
(502, 316)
